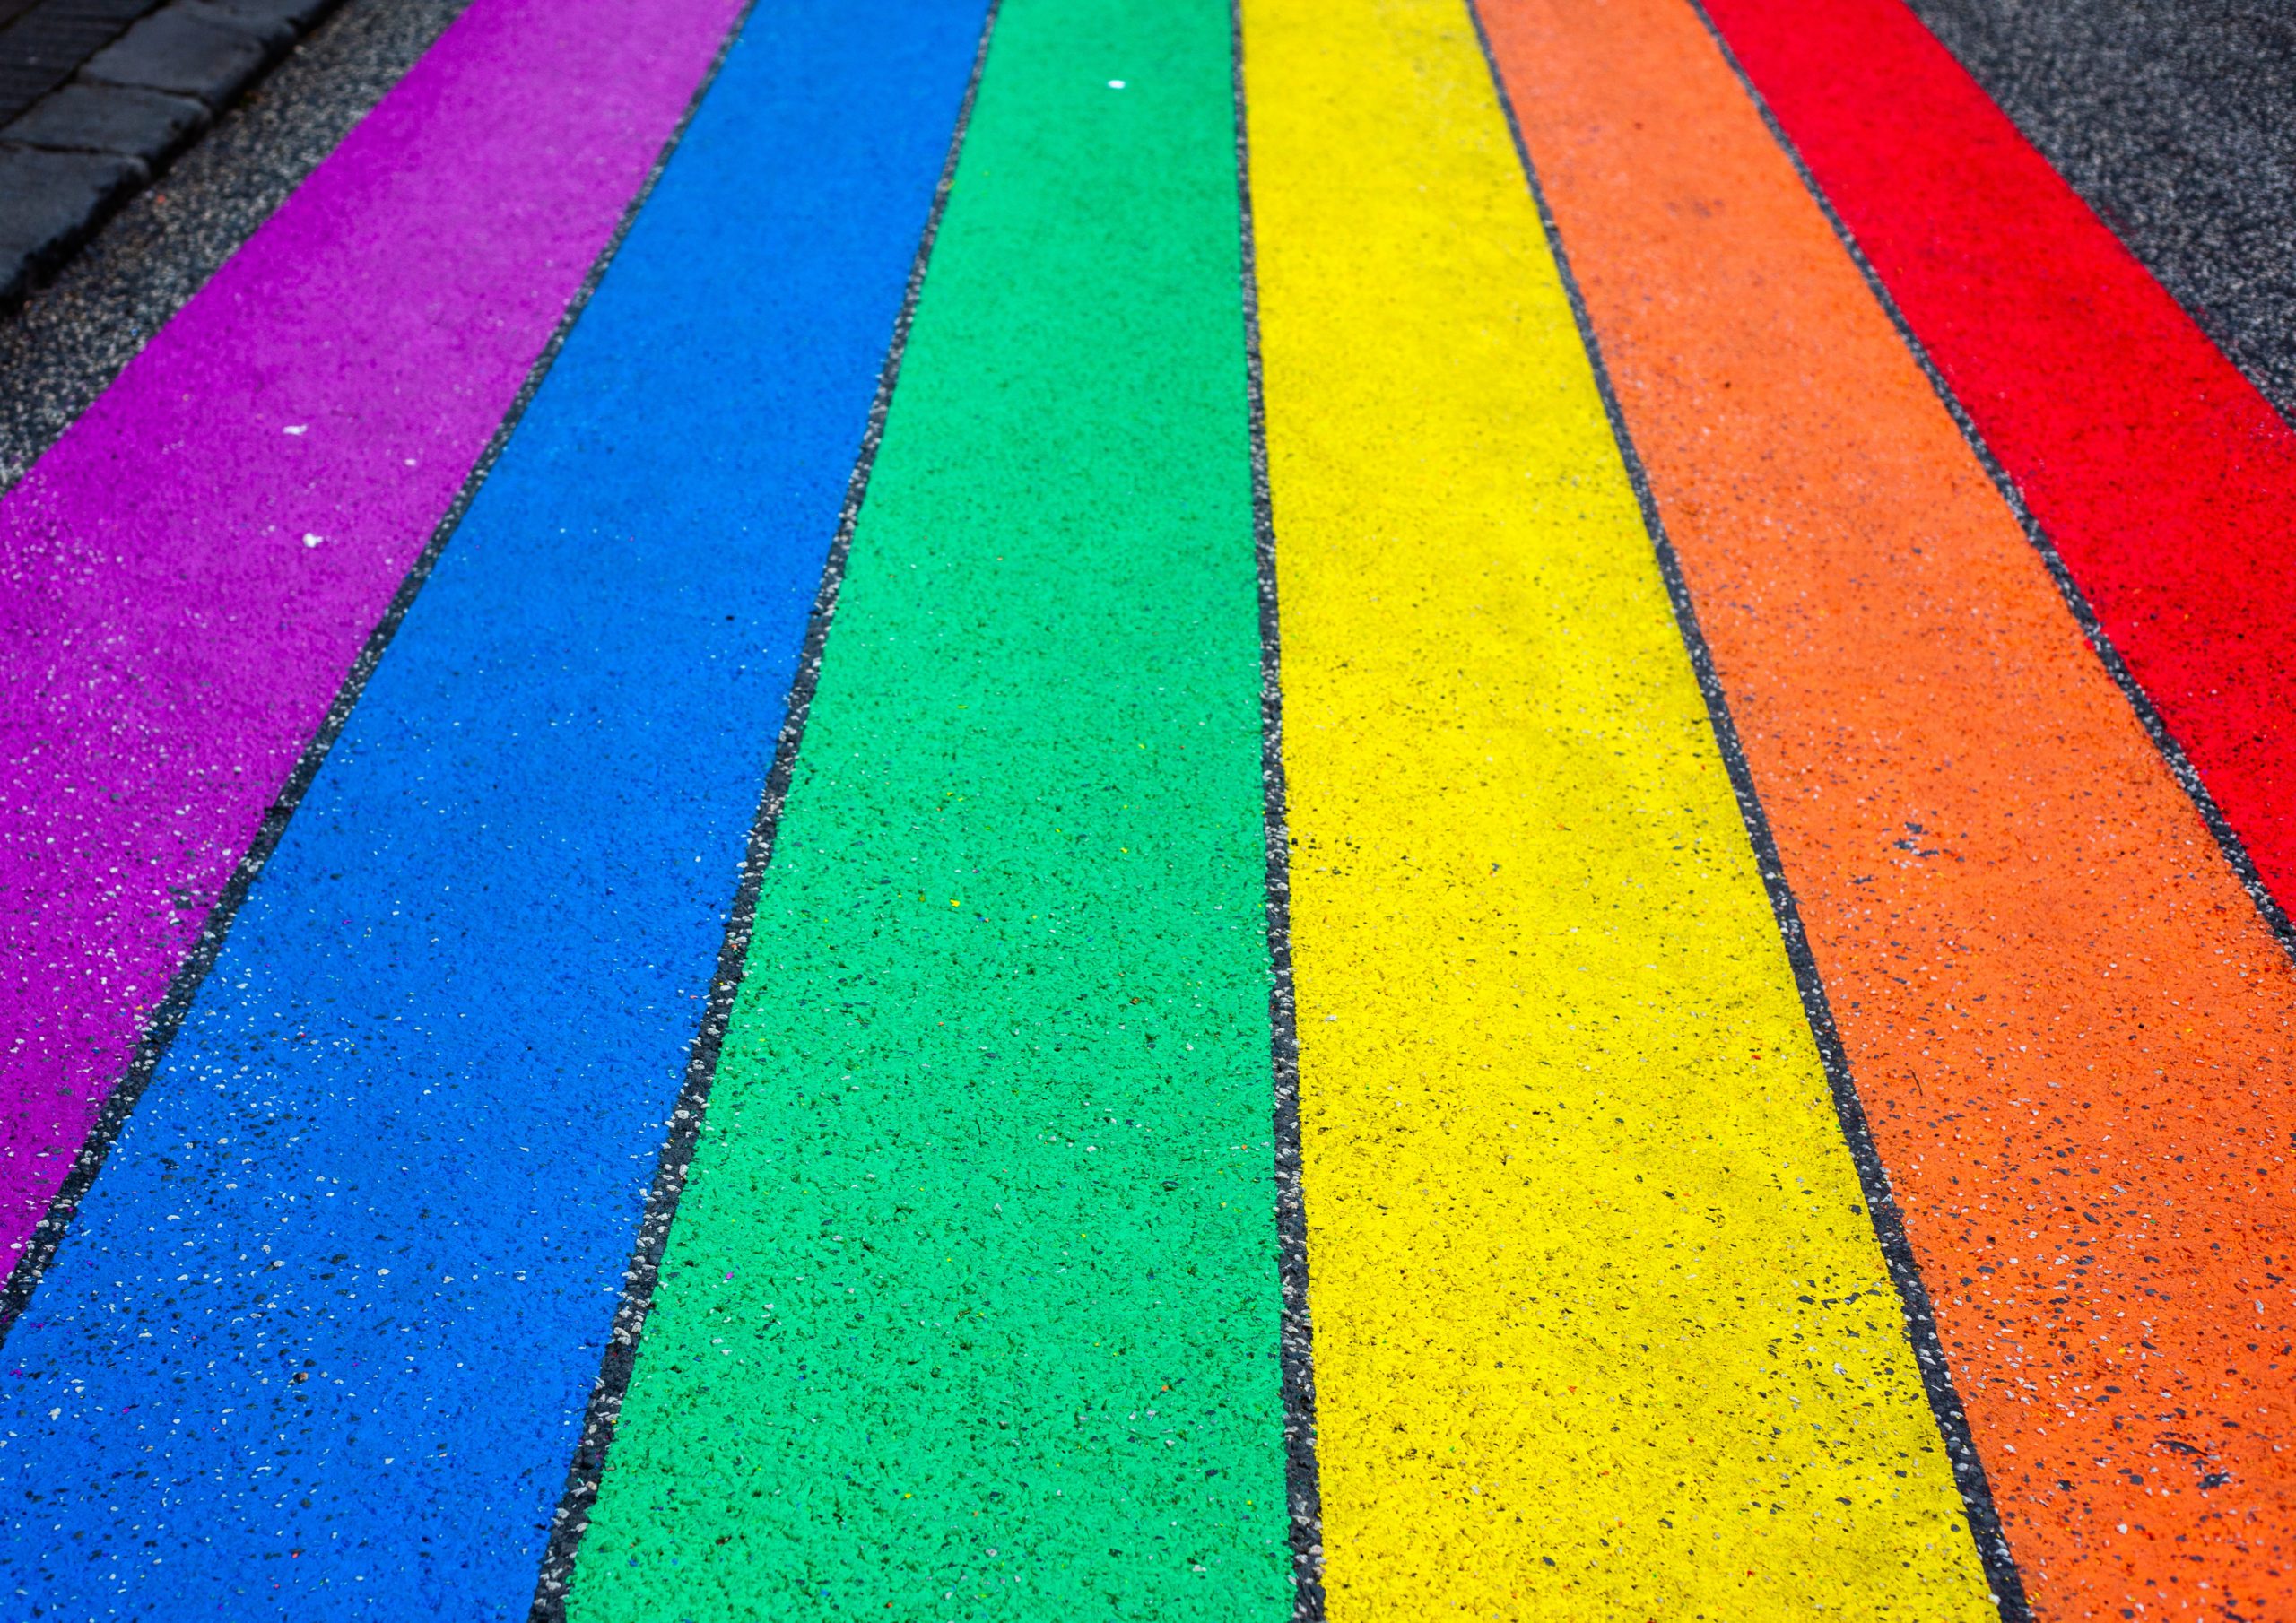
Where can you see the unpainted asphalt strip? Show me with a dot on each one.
(2177, 123)
(321, 1343)
(2162, 483)
(571, 1522)
(71, 339)
(195, 567)
(2070, 1028)
(1602, 1326)
(1300, 1468)
(972, 1306)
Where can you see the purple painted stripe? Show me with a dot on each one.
(188, 574)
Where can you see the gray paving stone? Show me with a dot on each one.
(186, 50)
(276, 32)
(43, 47)
(50, 201)
(150, 80)
(103, 304)
(297, 14)
(110, 118)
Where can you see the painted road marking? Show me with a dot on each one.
(167, 644)
(642, 1277)
(2165, 481)
(320, 1343)
(2070, 1027)
(975, 1304)
(970, 1307)
(2175, 132)
(1602, 1327)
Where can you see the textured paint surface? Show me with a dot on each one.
(320, 1342)
(65, 346)
(2172, 118)
(187, 575)
(970, 1308)
(2165, 481)
(2068, 1024)
(1602, 1327)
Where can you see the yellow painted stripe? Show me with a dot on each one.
(1602, 1328)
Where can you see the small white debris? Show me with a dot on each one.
(299, 428)
(310, 540)
(1116, 84)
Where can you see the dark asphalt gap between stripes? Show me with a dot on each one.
(974, 1280)
(2151, 1137)
(1914, 1306)
(571, 1519)
(2176, 120)
(1303, 1490)
(2154, 481)
(377, 1198)
(72, 338)
(161, 1024)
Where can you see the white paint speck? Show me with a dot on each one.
(299, 428)
(310, 540)
(1116, 84)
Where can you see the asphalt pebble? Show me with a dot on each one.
(72, 339)
(2170, 118)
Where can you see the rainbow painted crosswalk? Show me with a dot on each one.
(963, 811)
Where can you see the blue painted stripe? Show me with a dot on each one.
(320, 1344)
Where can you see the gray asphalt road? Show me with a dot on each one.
(72, 338)
(2169, 117)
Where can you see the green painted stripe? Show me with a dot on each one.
(970, 1308)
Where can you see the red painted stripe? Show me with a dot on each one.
(2166, 481)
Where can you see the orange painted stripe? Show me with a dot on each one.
(2070, 1028)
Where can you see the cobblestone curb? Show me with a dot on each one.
(99, 95)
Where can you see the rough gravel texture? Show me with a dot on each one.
(971, 1306)
(453, 1015)
(1559, 1100)
(2172, 118)
(72, 338)
(187, 576)
(2070, 1028)
(2159, 478)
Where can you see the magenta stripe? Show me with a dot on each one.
(170, 632)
